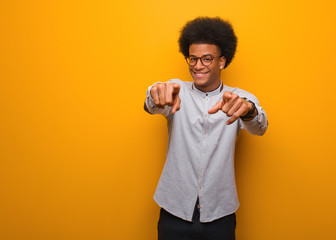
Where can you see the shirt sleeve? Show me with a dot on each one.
(152, 109)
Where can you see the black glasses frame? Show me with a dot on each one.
(200, 58)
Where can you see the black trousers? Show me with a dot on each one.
(171, 227)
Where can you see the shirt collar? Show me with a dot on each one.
(209, 94)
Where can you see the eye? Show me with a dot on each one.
(207, 59)
(192, 59)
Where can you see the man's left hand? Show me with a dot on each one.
(233, 106)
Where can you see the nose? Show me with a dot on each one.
(199, 64)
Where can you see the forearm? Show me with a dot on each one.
(258, 124)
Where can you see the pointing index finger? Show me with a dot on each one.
(216, 107)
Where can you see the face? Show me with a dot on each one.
(206, 78)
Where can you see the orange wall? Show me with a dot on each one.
(80, 159)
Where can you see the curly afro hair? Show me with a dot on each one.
(209, 31)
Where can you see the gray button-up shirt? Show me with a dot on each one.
(200, 153)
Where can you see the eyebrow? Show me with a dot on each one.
(202, 55)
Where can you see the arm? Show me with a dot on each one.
(254, 120)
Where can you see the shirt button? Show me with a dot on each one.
(205, 115)
(205, 134)
(201, 170)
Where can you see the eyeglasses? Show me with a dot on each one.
(206, 60)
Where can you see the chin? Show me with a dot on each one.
(201, 83)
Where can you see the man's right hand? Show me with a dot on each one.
(166, 94)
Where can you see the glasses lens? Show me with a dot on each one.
(191, 60)
(207, 60)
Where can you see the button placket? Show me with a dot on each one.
(204, 142)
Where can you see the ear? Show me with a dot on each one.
(222, 61)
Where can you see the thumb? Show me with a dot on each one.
(176, 88)
(227, 96)
(216, 107)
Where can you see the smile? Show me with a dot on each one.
(200, 74)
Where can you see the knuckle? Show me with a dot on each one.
(153, 89)
(236, 115)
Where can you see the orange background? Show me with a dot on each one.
(80, 159)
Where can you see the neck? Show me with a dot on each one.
(208, 88)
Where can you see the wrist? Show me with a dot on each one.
(251, 113)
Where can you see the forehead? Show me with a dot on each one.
(200, 49)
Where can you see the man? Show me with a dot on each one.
(197, 190)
